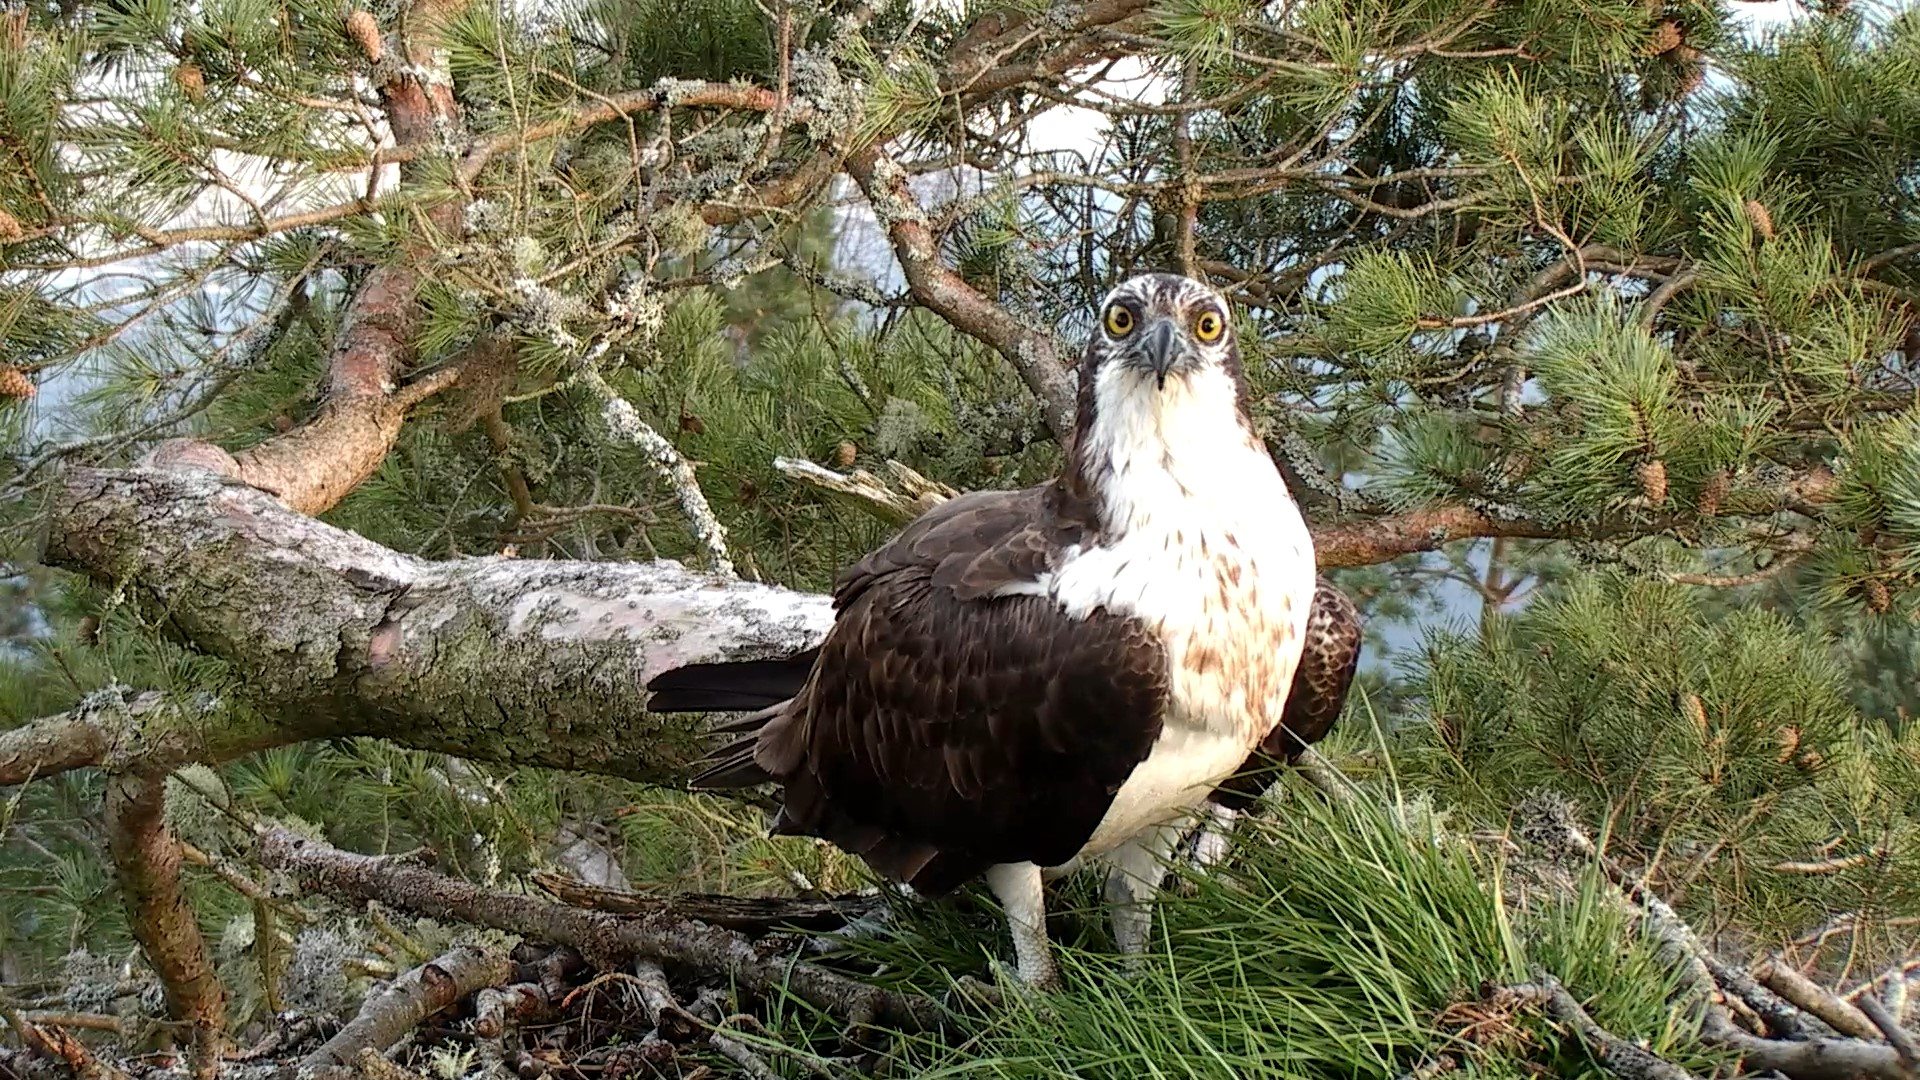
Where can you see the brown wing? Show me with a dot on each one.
(1319, 691)
(945, 729)
(973, 544)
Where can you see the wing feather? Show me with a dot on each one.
(948, 726)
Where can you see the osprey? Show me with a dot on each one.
(1319, 691)
(1021, 681)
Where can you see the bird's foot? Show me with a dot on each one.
(1134, 965)
(1009, 984)
(973, 995)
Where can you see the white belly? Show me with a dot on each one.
(1206, 548)
(1185, 764)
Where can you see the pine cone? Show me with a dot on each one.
(1652, 476)
(1696, 711)
(1879, 597)
(191, 79)
(15, 384)
(365, 32)
(1666, 38)
(1692, 71)
(844, 454)
(10, 229)
(1761, 218)
(1714, 492)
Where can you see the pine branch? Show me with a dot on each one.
(939, 288)
(397, 1008)
(147, 859)
(606, 940)
(55, 744)
(624, 423)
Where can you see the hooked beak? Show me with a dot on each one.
(1161, 348)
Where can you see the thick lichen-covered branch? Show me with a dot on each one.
(494, 659)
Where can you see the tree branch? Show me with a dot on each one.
(397, 1008)
(748, 914)
(527, 662)
(1622, 1058)
(936, 286)
(610, 941)
(146, 858)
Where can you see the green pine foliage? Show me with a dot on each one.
(1720, 748)
(1344, 939)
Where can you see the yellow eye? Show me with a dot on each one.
(1209, 326)
(1119, 321)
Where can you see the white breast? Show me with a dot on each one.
(1214, 555)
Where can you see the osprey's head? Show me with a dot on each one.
(1161, 393)
(1161, 326)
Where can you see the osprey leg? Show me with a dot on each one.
(1018, 888)
(1211, 839)
(1139, 866)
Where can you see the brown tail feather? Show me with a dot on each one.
(730, 686)
(732, 766)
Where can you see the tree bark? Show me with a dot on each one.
(492, 659)
(397, 1008)
(146, 859)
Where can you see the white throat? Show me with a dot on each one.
(1198, 527)
(1177, 452)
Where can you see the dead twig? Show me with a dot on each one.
(868, 491)
(747, 914)
(1814, 999)
(498, 1013)
(397, 1008)
(675, 1024)
(1896, 1034)
(1809, 1059)
(55, 1044)
(1621, 1057)
(608, 941)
